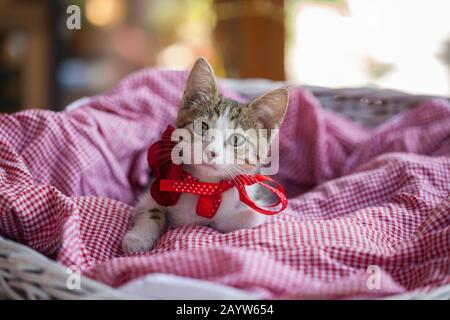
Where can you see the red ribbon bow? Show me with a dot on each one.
(171, 180)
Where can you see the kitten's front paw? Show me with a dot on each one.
(132, 243)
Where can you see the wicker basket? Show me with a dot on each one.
(367, 106)
(27, 274)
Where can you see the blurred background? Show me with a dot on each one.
(45, 63)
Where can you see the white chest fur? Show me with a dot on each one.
(231, 215)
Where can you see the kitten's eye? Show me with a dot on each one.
(236, 139)
(201, 130)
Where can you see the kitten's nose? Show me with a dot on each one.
(212, 154)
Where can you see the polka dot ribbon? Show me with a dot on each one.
(211, 193)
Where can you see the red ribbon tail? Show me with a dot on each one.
(278, 190)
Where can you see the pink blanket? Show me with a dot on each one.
(369, 211)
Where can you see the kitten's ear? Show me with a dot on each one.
(271, 108)
(201, 83)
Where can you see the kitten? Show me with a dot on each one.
(201, 103)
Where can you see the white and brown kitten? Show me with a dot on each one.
(201, 102)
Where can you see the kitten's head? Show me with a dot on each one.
(226, 129)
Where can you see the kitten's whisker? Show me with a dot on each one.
(162, 158)
(238, 170)
(244, 176)
(236, 178)
(229, 173)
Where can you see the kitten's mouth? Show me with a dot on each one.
(207, 170)
(212, 168)
(211, 165)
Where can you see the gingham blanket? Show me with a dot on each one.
(369, 211)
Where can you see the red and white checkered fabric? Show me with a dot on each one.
(361, 200)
